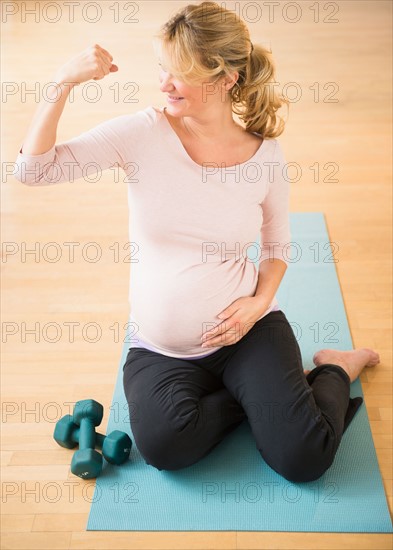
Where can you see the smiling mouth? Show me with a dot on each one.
(173, 97)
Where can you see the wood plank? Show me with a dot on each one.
(59, 522)
(139, 540)
(299, 541)
(17, 523)
(381, 426)
(36, 541)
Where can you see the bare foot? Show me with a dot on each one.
(353, 361)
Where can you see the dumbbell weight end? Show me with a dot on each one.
(116, 446)
(87, 462)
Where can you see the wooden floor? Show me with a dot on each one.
(40, 377)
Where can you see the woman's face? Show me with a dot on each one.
(193, 98)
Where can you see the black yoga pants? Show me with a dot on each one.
(181, 409)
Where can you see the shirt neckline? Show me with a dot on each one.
(178, 140)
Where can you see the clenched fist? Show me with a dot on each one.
(93, 63)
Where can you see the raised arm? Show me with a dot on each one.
(39, 149)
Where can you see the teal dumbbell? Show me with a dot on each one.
(87, 462)
(115, 447)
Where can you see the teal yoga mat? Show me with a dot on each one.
(232, 488)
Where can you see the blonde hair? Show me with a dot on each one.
(205, 42)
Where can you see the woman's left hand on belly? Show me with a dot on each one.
(238, 319)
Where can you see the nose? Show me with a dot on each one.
(165, 83)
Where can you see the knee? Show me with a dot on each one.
(301, 463)
(297, 472)
(166, 450)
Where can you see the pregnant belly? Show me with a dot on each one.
(172, 311)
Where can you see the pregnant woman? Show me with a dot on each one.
(210, 345)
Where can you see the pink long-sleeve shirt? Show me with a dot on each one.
(192, 225)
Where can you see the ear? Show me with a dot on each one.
(230, 81)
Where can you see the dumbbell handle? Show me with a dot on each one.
(87, 434)
(99, 440)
